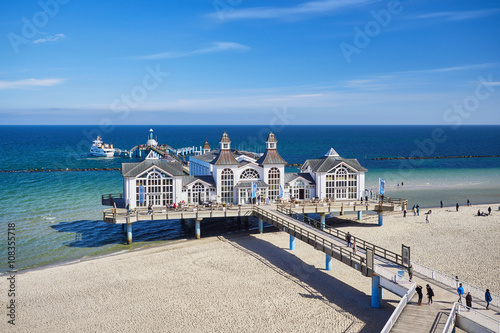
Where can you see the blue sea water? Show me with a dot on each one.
(58, 215)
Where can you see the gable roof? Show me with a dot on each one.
(135, 169)
(225, 157)
(326, 163)
(186, 180)
(290, 177)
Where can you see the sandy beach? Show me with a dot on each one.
(456, 243)
(248, 283)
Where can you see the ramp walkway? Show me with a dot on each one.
(408, 316)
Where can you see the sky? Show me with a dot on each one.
(237, 62)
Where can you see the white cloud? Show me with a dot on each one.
(459, 16)
(294, 12)
(29, 83)
(54, 38)
(211, 48)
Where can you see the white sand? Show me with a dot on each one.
(456, 243)
(248, 283)
(245, 284)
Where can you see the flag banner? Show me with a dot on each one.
(254, 190)
(281, 192)
(382, 186)
(142, 192)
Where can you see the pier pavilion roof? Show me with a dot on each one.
(290, 177)
(271, 156)
(135, 169)
(226, 157)
(186, 180)
(248, 184)
(330, 161)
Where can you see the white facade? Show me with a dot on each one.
(227, 176)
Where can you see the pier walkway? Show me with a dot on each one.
(386, 269)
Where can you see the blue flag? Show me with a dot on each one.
(254, 190)
(141, 194)
(281, 192)
(382, 186)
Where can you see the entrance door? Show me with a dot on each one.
(341, 193)
(301, 194)
(154, 199)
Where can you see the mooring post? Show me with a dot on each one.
(322, 220)
(292, 242)
(360, 215)
(129, 233)
(380, 219)
(376, 292)
(328, 264)
(261, 226)
(198, 228)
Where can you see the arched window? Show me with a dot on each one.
(274, 183)
(153, 188)
(227, 184)
(250, 174)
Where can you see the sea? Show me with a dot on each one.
(56, 216)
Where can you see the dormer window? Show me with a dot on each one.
(272, 145)
(225, 145)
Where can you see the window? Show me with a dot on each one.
(250, 174)
(341, 183)
(274, 183)
(227, 184)
(153, 188)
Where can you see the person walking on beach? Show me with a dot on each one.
(418, 210)
(414, 210)
(410, 272)
(489, 210)
(460, 291)
(468, 301)
(430, 294)
(348, 239)
(457, 206)
(354, 246)
(441, 203)
(487, 298)
(468, 202)
(418, 289)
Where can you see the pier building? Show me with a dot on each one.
(229, 176)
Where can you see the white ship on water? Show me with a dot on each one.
(101, 149)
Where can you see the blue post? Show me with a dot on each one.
(261, 226)
(376, 292)
(198, 229)
(360, 215)
(292, 242)
(380, 219)
(328, 265)
(129, 233)
(323, 217)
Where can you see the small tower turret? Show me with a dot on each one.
(206, 148)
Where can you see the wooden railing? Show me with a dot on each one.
(320, 243)
(360, 243)
(108, 199)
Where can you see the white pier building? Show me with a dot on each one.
(226, 175)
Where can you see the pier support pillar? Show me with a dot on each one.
(198, 228)
(322, 220)
(261, 226)
(129, 233)
(360, 215)
(380, 219)
(328, 262)
(376, 292)
(292, 242)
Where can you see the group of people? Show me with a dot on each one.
(430, 294)
(479, 213)
(468, 298)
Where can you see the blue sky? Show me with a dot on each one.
(249, 62)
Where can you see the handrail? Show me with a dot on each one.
(450, 323)
(399, 308)
(360, 243)
(289, 226)
(471, 314)
(450, 281)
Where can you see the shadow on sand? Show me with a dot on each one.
(318, 284)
